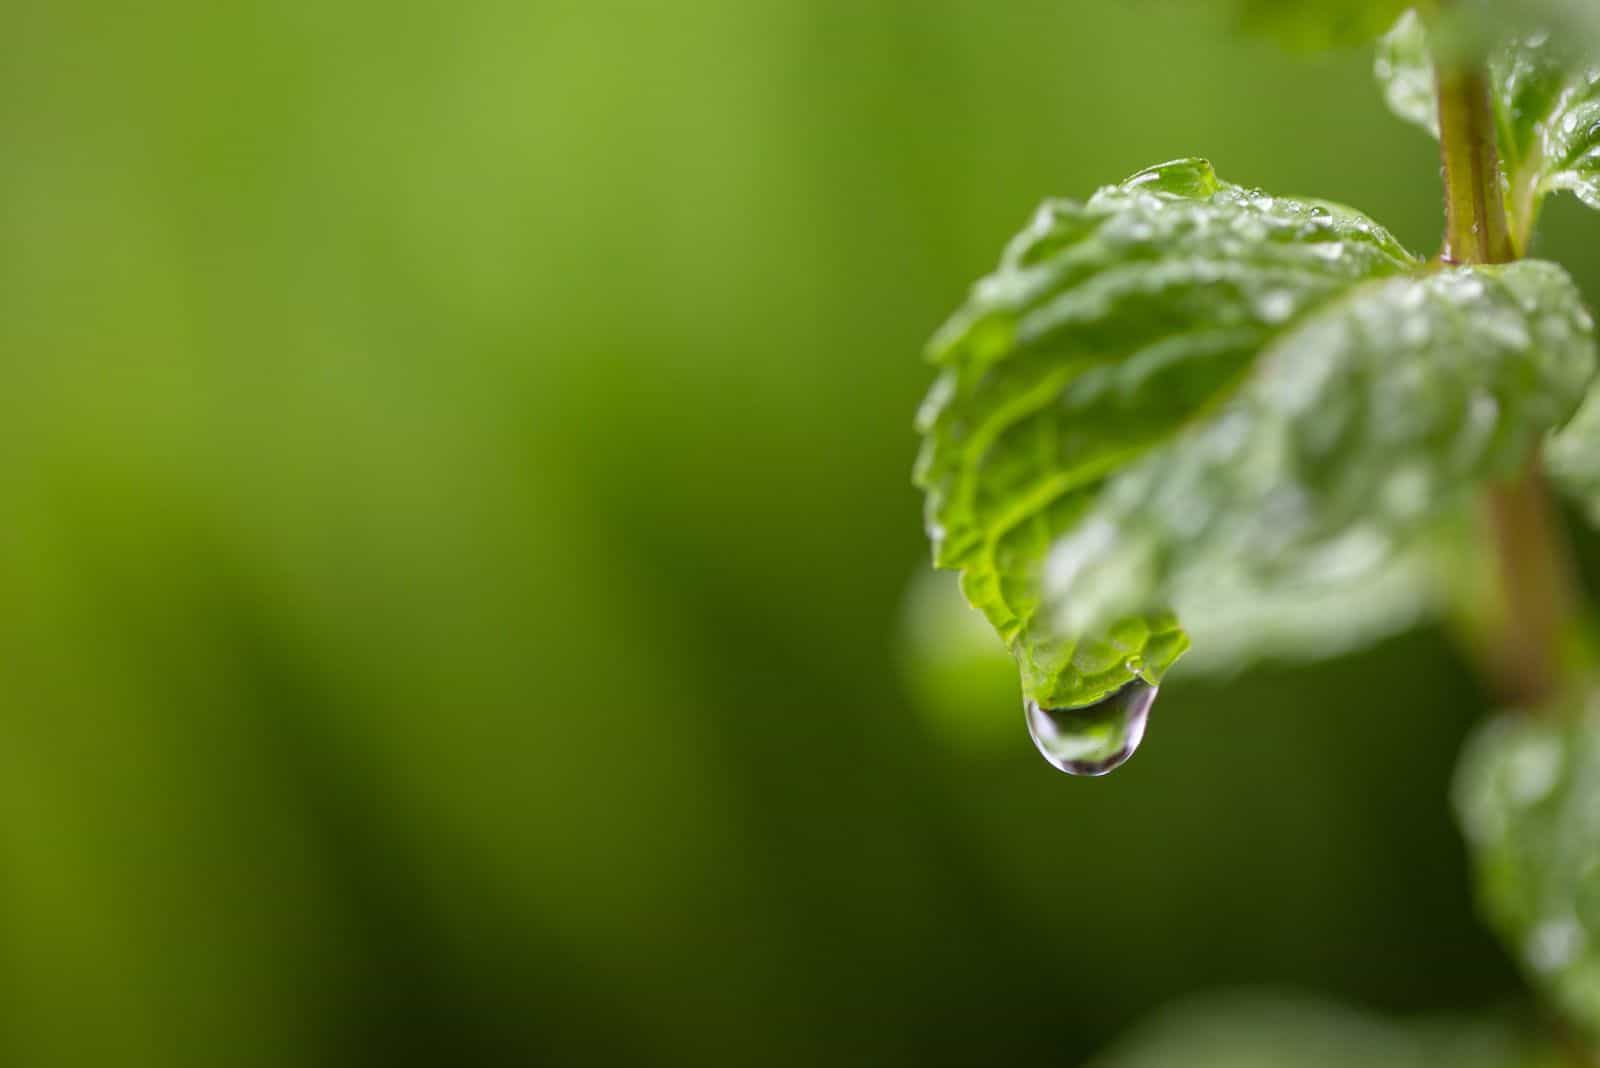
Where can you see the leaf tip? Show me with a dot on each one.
(1191, 177)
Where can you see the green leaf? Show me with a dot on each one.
(1362, 426)
(1528, 797)
(1572, 457)
(1546, 94)
(1404, 69)
(1240, 628)
(1183, 390)
(1266, 1030)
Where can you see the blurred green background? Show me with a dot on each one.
(455, 527)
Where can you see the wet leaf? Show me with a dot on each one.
(1572, 458)
(1182, 390)
(1528, 798)
(1266, 1030)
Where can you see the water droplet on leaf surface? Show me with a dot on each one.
(1093, 739)
(1554, 944)
(1276, 306)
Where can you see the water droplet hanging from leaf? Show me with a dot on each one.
(1093, 739)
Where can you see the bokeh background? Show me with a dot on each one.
(455, 534)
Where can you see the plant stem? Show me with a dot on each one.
(1475, 211)
(1531, 556)
(1535, 587)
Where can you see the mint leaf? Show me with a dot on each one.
(1546, 93)
(1528, 797)
(1360, 427)
(1272, 1030)
(1182, 389)
(1572, 458)
(1404, 69)
(1239, 628)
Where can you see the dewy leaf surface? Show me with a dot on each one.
(1572, 457)
(1528, 797)
(1404, 69)
(1261, 1029)
(1546, 93)
(1183, 387)
(1360, 427)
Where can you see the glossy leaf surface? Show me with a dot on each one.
(1182, 389)
(1279, 1030)
(1528, 797)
